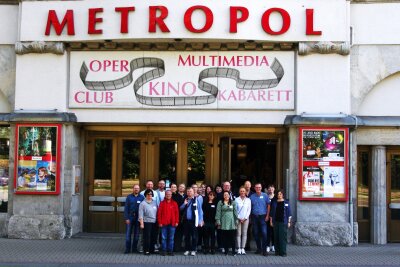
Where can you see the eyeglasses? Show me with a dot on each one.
(149, 195)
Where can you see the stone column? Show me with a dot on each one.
(378, 196)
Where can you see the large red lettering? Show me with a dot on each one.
(154, 20)
(52, 20)
(285, 21)
(124, 17)
(310, 23)
(93, 20)
(188, 19)
(234, 20)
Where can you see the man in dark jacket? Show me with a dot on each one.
(131, 212)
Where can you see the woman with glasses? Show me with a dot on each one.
(147, 219)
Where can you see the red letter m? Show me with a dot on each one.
(52, 19)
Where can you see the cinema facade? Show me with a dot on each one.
(96, 96)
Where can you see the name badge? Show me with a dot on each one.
(138, 201)
(286, 205)
(231, 207)
(262, 197)
(212, 206)
(154, 207)
(194, 204)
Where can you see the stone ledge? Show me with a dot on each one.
(36, 116)
(36, 227)
(323, 234)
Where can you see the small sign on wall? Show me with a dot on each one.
(323, 168)
(76, 182)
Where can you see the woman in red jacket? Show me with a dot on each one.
(168, 220)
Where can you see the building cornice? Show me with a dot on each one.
(308, 48)
(22, 48)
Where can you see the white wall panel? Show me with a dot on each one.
(376, 23)
(323, 84)
(8, 24)
(41, 82)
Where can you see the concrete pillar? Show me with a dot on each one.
(378, 196)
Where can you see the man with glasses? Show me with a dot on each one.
(260, 207)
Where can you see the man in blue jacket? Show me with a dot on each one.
(132, 220)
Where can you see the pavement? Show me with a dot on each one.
(99, 250)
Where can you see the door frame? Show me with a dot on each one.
(389, 152)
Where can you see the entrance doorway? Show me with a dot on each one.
(255, 160)
(393, 195)
(119, 157)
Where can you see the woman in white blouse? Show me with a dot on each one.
(243, 210)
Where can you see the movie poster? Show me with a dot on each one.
(323, 163)
(37, 157)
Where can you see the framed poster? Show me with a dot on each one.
(323, 164)
(37, 154)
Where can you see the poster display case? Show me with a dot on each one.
(323, 166)
(37, 164)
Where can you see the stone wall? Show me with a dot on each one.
(51, 216)
(7, 78)
(316, 223)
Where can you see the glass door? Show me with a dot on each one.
(115, 165)
(363, 194)
(102, 186)
(393, 197)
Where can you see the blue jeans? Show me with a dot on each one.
(132, 228)
(260, 231)
(167, 238)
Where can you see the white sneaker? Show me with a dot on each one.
(187, 252)
(222, 250)
(193, 253)
(243, 251)
(273, 249)
(268, 249)
(239, 251)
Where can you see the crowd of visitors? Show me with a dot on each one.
(207, 219)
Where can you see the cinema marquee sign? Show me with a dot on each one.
(182, 80)
(283, 20)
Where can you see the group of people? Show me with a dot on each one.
(202, 217)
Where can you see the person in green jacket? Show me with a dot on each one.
(226, 219)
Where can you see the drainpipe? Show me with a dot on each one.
(351, 208)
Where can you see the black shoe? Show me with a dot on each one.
(234, 254)
(265, 254)
(162, 253)
(284, 255)
(258, 251)
(212, 251)
(205, 251)
(170, 253)
(226, 253)
(127, 252)
(276, 254)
